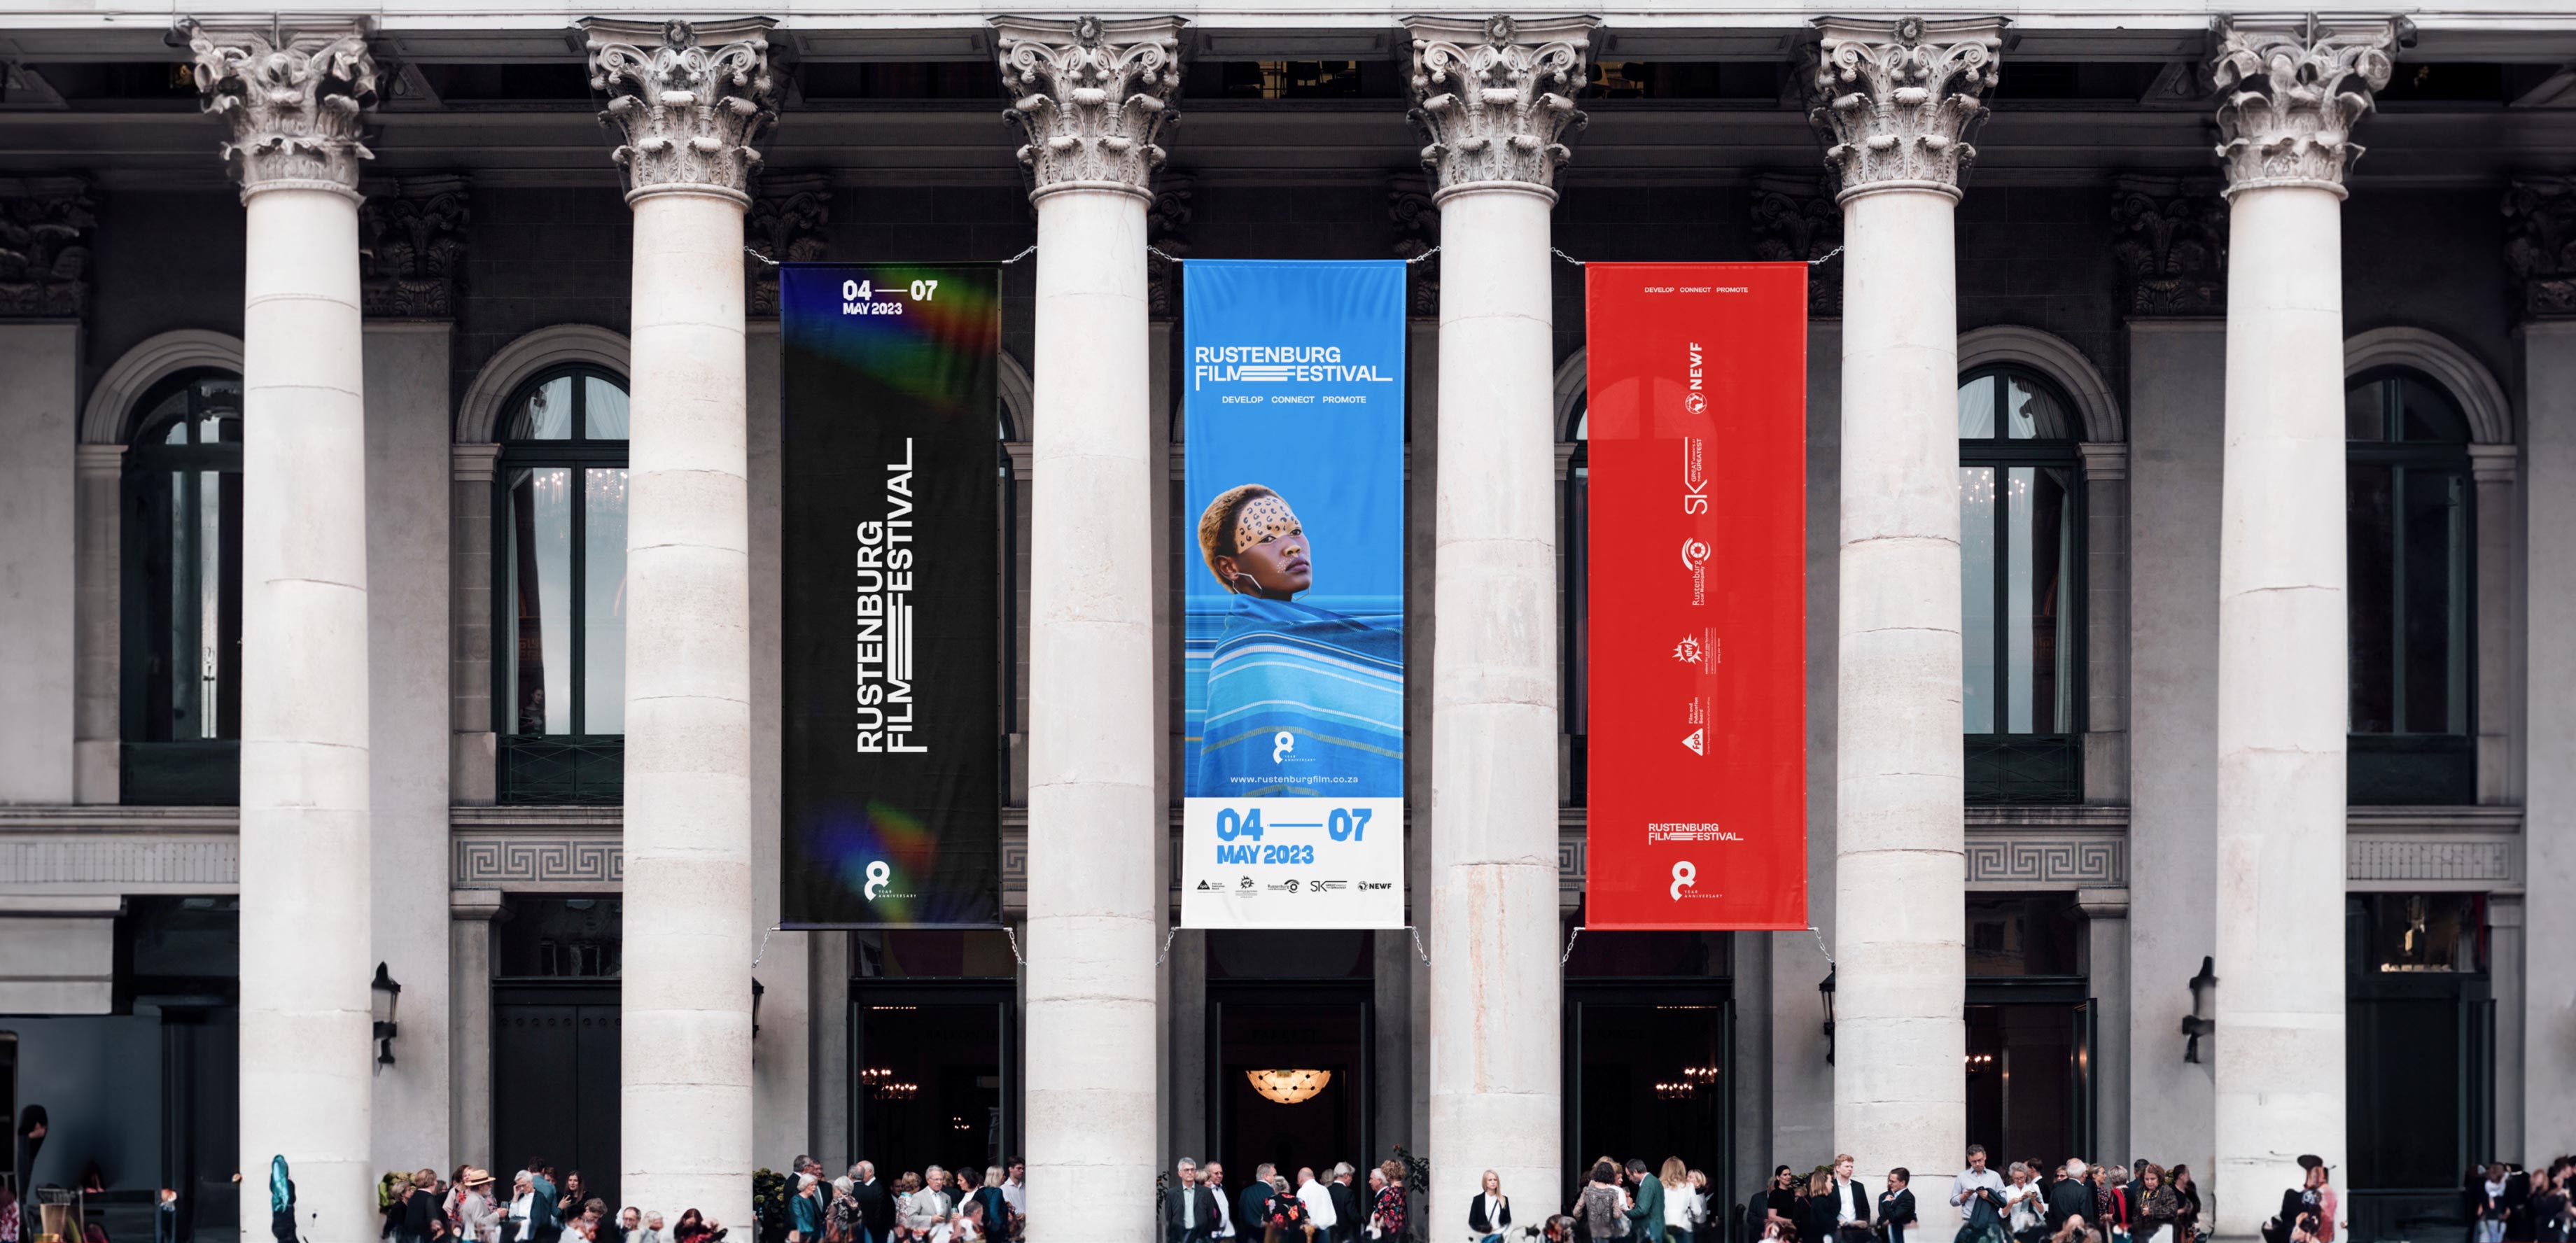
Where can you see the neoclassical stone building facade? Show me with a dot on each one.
(389, 556)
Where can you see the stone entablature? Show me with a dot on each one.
(1495, 99)
(1092, 98)
(111, 849)
(687, 101)
(2290, 95)
(296, 101)
(1899, 100)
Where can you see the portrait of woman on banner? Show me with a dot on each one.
(1300, 701)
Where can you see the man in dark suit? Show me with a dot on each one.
(876, 1208)
(1346, 1205)
(2069, 1196)
(1852, 1201)
(1189, 1214)
(1252, 1214)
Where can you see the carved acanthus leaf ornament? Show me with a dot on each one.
(2289, 97)
(1495, 99)
(1092, 98)
(296, 102)
(686, 100)
(1898, 100)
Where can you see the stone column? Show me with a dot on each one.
(685, 102)
(1091, 97)
(1898, 100)
(2290, 97)
(469, 1025)
(1494, 100)
(293, 101)
(473, 748)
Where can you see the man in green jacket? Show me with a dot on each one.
(1646, 1218)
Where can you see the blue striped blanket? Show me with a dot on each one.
(1300, 702)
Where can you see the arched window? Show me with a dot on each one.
(182, 593)
(2020, 562)
(2408, 566)
(559, 655)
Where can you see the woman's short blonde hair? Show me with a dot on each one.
(1216, 529)
(1675, 1173)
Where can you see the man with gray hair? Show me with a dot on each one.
(1318, 1202)
(876, 1207)
(1189, 1213)
(2070, 1196)
(1253, 1211)
(1346, 1204)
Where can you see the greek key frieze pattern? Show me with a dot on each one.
(2049, 860)
(75, 861)
(2365, 859)
(492, 862)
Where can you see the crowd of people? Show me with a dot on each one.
(1198, 1207)
(2510, 1204)
(932, 1206)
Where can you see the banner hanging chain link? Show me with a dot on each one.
(1168, 938)
(1015, 945)
(1570, 939)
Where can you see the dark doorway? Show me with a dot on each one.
(1646, 1076)
(1292, 1073)
(555, 1031)
(554, 1082)
(2419, 1046)
(2029, 1079)
(931, 1077)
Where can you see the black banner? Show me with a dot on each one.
(891, 765)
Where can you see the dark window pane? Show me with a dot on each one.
(1977, 595)
(2430, 414)
(2370, 560)
(2015, 934)
(561, 938)
(603, 408)
(2417, 933)
(1977, 408)
(2436, 699)
(603, 623)
(931, 953)
(2037, 645)
(537, 577)
(545, 413)
(2365, 412)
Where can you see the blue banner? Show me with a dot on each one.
(1293, 515)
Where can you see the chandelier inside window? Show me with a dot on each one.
(1288, 1087)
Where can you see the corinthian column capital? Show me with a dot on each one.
(686, 100)
(1897, 100)
(2290, 94)
(1493, 98)
(295, 100)
(1093, 98)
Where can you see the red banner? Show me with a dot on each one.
(1697, 630)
